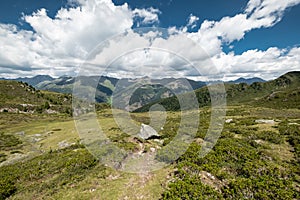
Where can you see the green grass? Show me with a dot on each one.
(45, 173)
(281, 93)
(19, 97)
(249, 159)
(8, 141)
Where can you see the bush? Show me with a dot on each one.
(192, 188)
(7, 187)
(8, 141)
(2, 157)
(271, 136)
(263, 187)
(171, 152)
(47, 173)
(46, 105)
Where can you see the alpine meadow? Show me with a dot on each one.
(119, 99)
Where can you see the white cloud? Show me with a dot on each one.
(258, 14)
(75, 31)
(57, 45)
(148, 16)
(269, 8)
(266, 64)
(192, 21)
(65, 40)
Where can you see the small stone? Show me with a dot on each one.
(228, 120)
(158, 141)
(20, 133)
(265, 121)
(63, 144)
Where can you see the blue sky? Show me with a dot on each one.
(240, 34)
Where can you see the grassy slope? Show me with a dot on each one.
(72, 173)
(250, 160)
(21, 96)
(46, 171)
(283, 92)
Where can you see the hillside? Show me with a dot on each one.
(146, 90)
(249, 81)
(33, 80)
(256, 156)
(283, 92)
(19, 97)
(41, 158)
(106, 87)
(36, 79)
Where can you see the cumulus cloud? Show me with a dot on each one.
(75, 31)
(56, 43)
(56, 46)
(192, 21)
(258, 14)
(268, 8)
(148, 16)
(144, 53)
(266, 64)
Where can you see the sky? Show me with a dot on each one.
(201, 40)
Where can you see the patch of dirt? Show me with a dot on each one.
(209, 179)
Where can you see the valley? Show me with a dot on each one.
(154, 100)
(43, 157)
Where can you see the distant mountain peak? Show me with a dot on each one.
(36, 79)
(249, 81)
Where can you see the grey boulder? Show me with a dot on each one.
(147, 132)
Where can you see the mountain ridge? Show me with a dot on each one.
(282, 92)
(249, 81)
(106, 87)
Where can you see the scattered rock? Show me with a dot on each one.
(141, 149)
(21, 133)
(49, 111)
(228, 120)
(111, 177)
(259, 141)
(49, 133)
(199, 140)
(10, 110)
(26, 105)
(293, 124)
(14, 158)
(147, 132)
(92, 190)
(209, 179)
(265, 121)
(36, 139)
(159, 141)
(63, 144)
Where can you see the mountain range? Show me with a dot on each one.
(143, 90)
(139, 95)
(41, 153)
(283, 92)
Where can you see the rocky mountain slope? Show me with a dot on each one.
(283, 92)
(20, 97)
(121, 89)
